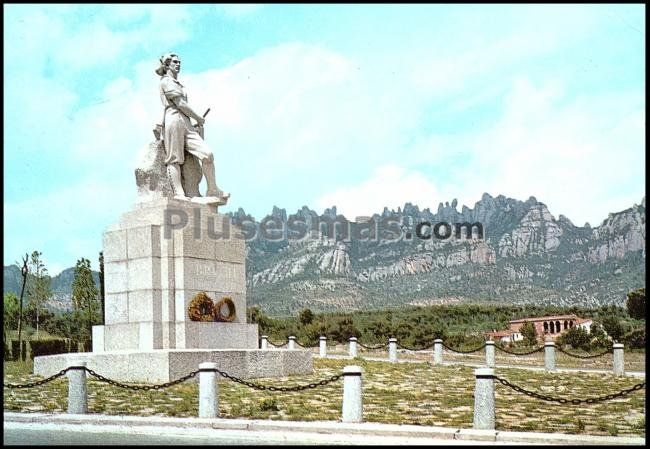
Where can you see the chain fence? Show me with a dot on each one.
(464, 352)
(277, 345)
(371, 347)
(519, 353)
(588, 356)
(592, 400)
(139, 387)
(415, 349)
(38, 382)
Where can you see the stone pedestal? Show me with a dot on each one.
(157, 257)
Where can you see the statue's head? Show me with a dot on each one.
(165, 60)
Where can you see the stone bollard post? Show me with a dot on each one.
(437, 351)
(292, 342)
(265, 342)
(352, 397)
(208, 390)
(392, 349)
(619, 361)
(549, 356)
(77, 387)
(353, 347)
(484, 399)
(489, 354)
(322, 347)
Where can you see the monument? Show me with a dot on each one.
(175, 268)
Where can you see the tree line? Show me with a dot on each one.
(76, 324)
(461, 324)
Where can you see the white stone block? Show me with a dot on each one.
(114, 245)
(117, 308)
(188, 244)
(145, 305)
(116, 276)
(98, 338)
(143, 241)
(144, 273)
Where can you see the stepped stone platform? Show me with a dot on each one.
(164, 365)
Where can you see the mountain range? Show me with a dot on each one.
(525, 255)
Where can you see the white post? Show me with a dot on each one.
(484, 399)
(392, 349)
(322, 347)
(489, 354)
(208, 390)
(437, 351)
(549, 356)
(619, 361)
(352, 397)
(292, 342)
(77, 387)
(265, 342)
(353, 347)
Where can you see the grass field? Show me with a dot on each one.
(406, 393)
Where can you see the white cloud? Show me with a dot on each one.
(389, 186)
(582, 157)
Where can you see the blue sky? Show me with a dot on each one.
(358, 106)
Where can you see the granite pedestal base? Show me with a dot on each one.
(164, 365)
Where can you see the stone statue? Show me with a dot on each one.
(186, 156)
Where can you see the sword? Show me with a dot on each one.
(199, 128)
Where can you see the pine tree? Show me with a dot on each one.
(529, 333)
(39, 288)
(85, 298)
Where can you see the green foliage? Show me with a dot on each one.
(85, 298)
(38, 287)
(599, 338)
(636, 303)
(529, 333)
(634, 339)
(10, 311)
(305, 316)
(613, 327)
(48, 347)
(576, 337)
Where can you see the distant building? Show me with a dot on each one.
(547, 327)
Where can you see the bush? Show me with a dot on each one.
(48, 347)
(15, 350)
(577, 338)
(634, 339)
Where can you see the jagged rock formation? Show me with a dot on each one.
(526, 255)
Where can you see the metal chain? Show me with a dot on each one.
(306, 347)
(464, 352)
(277, 346)
(370, 347)
(272, 388)
(590, 356)
(571, 401)
(519, 353)
(413, 349)
(141, 387)
(38, 382)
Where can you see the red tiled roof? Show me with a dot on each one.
(548, 318)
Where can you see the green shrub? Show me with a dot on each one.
(634, 339)
(48, 347)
